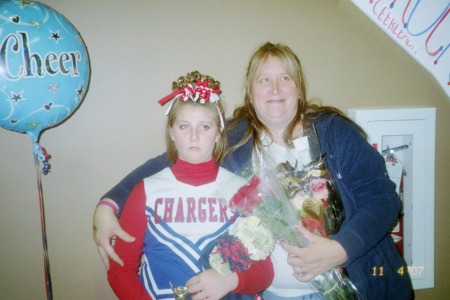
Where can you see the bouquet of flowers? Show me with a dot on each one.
(261, 200)
(281, 196)
(247, 240)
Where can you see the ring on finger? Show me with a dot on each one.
(301, 273)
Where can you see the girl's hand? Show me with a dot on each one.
(211, 285)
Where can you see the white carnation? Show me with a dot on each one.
(254, 236)
(217, 263)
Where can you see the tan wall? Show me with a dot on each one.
(137, 48)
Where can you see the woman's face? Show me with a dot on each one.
(195, 133)
(275, 95)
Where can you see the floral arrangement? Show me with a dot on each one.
(312, 194)
(281, 196)
(247, 240)
(259, 199)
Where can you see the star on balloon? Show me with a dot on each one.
(80, 90)
(24, 3)
(16, 97)
(35, 23)
(53, 88)
(32, 124)
(55, 36)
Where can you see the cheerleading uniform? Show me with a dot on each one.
(175, 215)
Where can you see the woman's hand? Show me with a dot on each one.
(211, 285)
(106, 229)
(319, 256)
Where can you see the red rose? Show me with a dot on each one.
(313, 224)
(247, 196)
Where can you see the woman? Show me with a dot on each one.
(274, 115)
(177, 214)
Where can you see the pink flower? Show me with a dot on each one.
(319, 188)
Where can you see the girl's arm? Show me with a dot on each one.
(212, 285)
(124, 279)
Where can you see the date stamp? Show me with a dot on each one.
(416, 270)
(412, 270)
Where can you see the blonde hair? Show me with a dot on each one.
(306, 111)
(215, 108)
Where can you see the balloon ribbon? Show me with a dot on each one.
(43, 156)
(48, 281)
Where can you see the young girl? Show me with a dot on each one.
(177, 213)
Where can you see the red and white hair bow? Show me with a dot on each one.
(201, 92)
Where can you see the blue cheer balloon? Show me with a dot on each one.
(44, 67)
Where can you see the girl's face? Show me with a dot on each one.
(275, 95)
(195, 133)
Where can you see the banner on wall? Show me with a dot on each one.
(422, 28)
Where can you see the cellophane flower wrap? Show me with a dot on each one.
(281, 196)
(312, 194)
